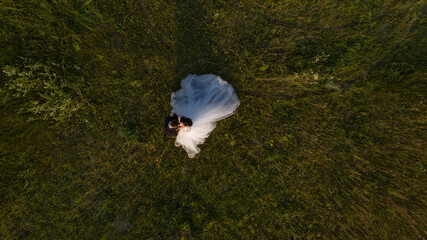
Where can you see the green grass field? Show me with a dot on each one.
(329, 141)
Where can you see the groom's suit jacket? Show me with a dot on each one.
(171, 132)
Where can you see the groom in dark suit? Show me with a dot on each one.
(171, 125)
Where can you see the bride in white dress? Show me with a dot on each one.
(204, 99)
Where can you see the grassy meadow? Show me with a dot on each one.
(329, 141)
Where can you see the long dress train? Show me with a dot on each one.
(205, 99)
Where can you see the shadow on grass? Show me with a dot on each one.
(195, 47)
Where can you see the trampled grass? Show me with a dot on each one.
(328, 142)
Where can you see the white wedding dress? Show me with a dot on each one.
(205, 99)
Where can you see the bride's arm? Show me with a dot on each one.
(173, 112)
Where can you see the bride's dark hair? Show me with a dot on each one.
(187, 121)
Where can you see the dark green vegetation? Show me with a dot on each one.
(328, 142)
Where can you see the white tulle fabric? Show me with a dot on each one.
(205, 99)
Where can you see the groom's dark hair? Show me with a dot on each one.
(174, 124)
(187, 121)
